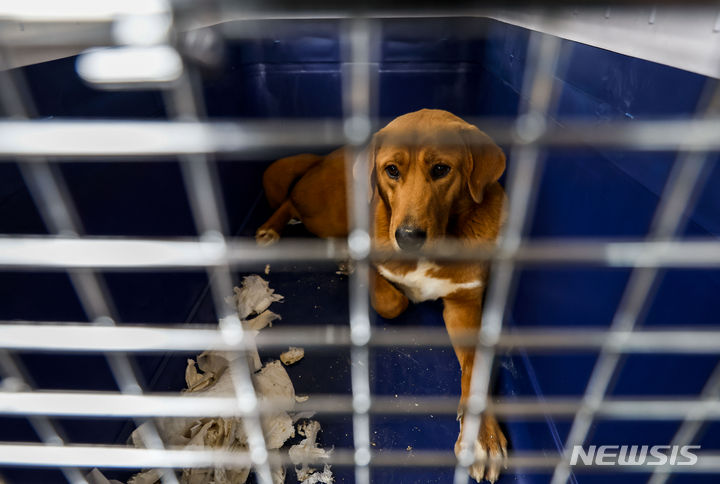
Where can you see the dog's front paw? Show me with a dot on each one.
(489, 450)
(265, 237)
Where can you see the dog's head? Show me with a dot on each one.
(427, 166)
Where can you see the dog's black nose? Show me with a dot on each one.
(410, 238)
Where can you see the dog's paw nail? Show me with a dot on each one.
(496, 460)
(266, 237)
(477, 473)
(489, 451)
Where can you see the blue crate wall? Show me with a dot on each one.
(595, 192)
(469, 66)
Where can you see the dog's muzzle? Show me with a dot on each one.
(410, 238)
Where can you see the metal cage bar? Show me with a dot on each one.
(693, 422)
(85, 140)
(130, 458)
(146, 338)
(118, 405)
(184, 101)
(538, 89)
(111, 254)
(684, 181)
(358, 106)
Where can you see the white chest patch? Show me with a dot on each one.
(419, 286)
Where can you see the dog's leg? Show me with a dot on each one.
(269, 232)
(490, 445)
(386, 299)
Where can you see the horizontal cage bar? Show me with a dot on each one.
(121, 254)
(86, 337)
(75, 140)
(118, 405)
(129, 458)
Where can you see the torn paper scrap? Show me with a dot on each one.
(260, 321)
(214, 379)
(212, 373)
(251, 348)
(302, 415)
(217, 476)
(254, 297)
(278, 475)
(325, 477)
(292, 355)
(307, 452)
(273, 382)
(278, 429)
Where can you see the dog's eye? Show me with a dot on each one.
(392, 171)
(439, 171)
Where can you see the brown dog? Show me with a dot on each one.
(435, 177)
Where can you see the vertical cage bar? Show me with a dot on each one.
(358, 84)
(690, 428)
(524, 173)
(184, 102)
(684, 183)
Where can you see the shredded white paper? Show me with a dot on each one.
(292, 355)
(212, 375)
(325, 477)
(307, 452)
(254, 297)
(278, 475)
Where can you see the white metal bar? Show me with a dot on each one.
(78, 10)
(118, 405)
(185, 101)
(358, 107)
(129, 458)
(694, 421)
(83, 337)
(129, 253)
(85, 140)
(79, 138)
(684, 182)
(116, 457)
(538, 97)
(108, 253)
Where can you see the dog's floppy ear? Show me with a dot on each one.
(486, 161)
(373, 148)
